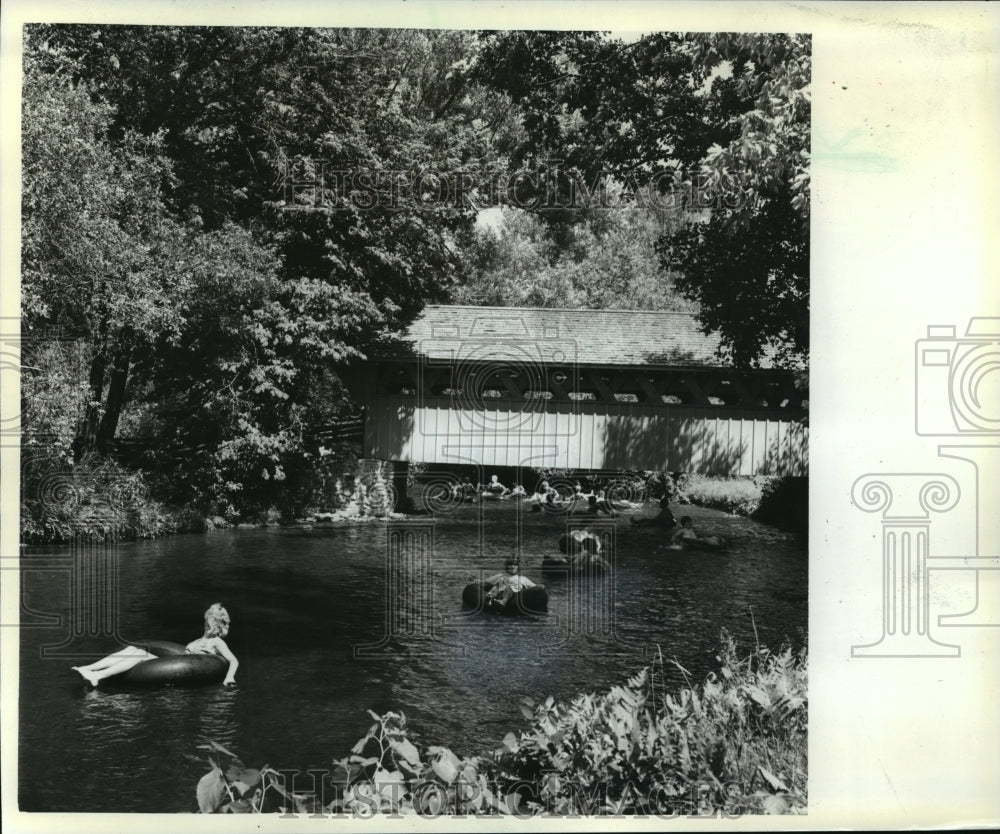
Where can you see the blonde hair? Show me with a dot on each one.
(216, 620)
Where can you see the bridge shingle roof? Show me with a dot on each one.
(583, 337)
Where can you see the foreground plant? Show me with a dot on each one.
(734, 745)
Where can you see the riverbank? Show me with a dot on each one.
(733, 745)
(782, 502)
(105, 499)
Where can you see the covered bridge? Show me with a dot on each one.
(581, 389)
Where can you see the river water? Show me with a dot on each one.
(305, 602)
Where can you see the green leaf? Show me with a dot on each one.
(772, 780)
(216, 746)
(775, 804)
(406, 749)
(363, 761)
(446, 767)
(210, 792)
(249, 780)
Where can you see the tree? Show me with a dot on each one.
(98, 246)
(264, 126)
(608, 261)
(721, 122)
(215, 304)
(747, 266)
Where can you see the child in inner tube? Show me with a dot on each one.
(216, 628)
(505, 585)
(687, 533)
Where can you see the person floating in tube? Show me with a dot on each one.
(505, 585)
(212, 642)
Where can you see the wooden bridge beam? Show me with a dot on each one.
(566, 384)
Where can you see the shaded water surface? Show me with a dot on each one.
(303, 599)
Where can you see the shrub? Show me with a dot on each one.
(739, 496)
(95, 497)
(736, 744)
(785, 503)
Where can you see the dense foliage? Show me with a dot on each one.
(209, 304)
(608, 261)
(733, 745)
(719, 123)
(207, 242)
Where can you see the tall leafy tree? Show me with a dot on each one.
(251, 117)
(608, 261)
(98, 245)
(159, 228)
(719, 121)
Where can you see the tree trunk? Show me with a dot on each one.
(115, 401)
(86, 440)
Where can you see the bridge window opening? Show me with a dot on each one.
(451, 392)
(716, 401)
(408, 391)
(491, 393)
(532, 394)
(582, 395)
(671, 399)
(627, 398)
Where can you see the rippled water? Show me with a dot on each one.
(302, 599)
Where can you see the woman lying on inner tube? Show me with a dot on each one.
(212, 643)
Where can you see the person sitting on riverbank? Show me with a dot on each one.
(594, 507)
(665, 518)
(505, 585)
(516, 491)
(602, 503)
(615, 503)
(544, 495)
(212, 642)
(496, 487)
